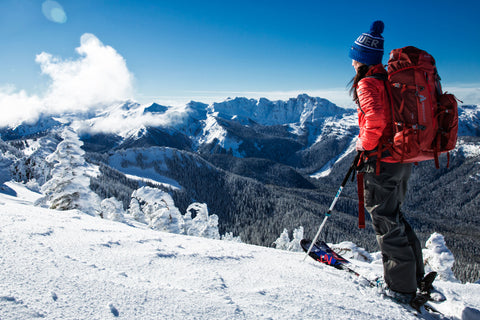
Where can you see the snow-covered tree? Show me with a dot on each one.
(283, 242)
(203, 224)
(228, 236)
(112, 209)
(8, 155)
(5, 169)
(297, 237)
(69, 186)
(438, 257)
(167, 219)
(157, 209)
(135, 210)
(32, 170)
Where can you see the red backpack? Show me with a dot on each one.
(425, 120)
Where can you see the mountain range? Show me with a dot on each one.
(261, 166)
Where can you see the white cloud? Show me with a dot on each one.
(98, 77)
(17, 106)
(120, 121)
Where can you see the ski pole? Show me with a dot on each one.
(329, 212)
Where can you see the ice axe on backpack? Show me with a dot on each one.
(329, 212)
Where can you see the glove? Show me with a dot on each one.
(359, 146)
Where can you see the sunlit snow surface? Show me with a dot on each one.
(69, 265)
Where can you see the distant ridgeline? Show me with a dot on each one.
(253, 163)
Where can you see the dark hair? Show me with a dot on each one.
(361, 73)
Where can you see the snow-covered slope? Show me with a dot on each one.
(146, 165)
(69, 265)
(469, 120)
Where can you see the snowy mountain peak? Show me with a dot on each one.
(43, 124)
(265, 112)
(124, 108)
(155, 108)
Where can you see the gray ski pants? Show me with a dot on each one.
(400, 247)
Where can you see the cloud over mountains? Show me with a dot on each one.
(99, 76)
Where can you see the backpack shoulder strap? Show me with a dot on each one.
(379, 76)
(383, 146)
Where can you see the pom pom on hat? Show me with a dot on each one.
(377, 28)
(368, 48)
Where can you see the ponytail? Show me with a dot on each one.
(361, 73)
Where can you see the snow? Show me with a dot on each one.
(283, 242)
(214, 133)
(156, 208)
(469, 120)
(468, 149)
(334, 127)
(327, 168)
(198, 121)
(70, 265)
(438, 254)
(14, 192)
(33, 146)
(164, 181)
(301, 110)
(69, 185)
(145, 165)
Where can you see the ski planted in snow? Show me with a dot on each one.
(322, 253)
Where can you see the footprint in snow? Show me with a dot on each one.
(46, 233)
(19, 307)
(113, 310)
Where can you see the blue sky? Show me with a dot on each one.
(181, 50)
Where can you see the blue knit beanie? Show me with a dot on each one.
(368, 48)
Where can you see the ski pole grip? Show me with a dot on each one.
(352, 168)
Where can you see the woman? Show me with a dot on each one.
(385, 187)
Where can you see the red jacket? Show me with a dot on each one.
(374, 117)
